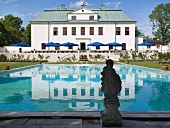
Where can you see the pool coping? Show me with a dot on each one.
(167, 71)
(84, 114)
(20, 68)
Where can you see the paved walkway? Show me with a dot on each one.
(76, 123)
(21, 119)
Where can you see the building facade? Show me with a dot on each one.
(83, 26)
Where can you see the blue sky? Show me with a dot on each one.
(139, 10)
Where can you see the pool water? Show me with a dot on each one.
(77, 88)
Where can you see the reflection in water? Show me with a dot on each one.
(77, 88)
(15, 99)
(160, 96)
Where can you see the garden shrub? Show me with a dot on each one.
(3, 58)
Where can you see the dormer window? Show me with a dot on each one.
(91, 17)
(73, 17)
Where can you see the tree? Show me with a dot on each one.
(14, 29)
(27, 35)
(160, 18)
(138, 31)
(3, 35)
(12, 21)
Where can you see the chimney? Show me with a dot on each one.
(62, 6)
(103, 6)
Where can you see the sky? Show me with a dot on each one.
(27, 10)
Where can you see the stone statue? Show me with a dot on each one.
(111, 86)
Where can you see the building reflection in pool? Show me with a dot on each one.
(77, 88)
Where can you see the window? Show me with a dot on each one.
(74, 104)
(91, 91)
(73, 30)
(55, 31)
(70, 47)
(110, 47)
(42, 46)
(73, 91)
(148, 47)
(57, 48)
(83, 92)
(117, 30)
(158, 46)
(65, 93)
(82, 30)
(123, 46)
(100, 92)
(98, 47)
(55, 91)
(73, 17)
(100, 31)
(126, 30)
(91, 17)
(64, 30)
(91, 30)
(126, 91)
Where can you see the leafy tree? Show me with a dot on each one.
(13, 35)
(3, 35)
(12, 21)
(138, 31)
(13, 28)
(27, 35)
(160, 18)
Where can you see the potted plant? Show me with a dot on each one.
(6, 67)
(125, 57)
(164, 66)
(41, 57)
(126, 62)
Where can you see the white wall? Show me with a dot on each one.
(128, 39)
(13, 49)
(2, 49)
(54, 56)
(40, 34)
(154, 48)
(138, 40)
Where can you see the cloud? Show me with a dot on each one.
(143, 23)
(1, 17)
(115, 4)
(77, 4)
(26, 17)
(145, 27)
(8, 1)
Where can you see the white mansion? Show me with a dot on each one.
(84, 26)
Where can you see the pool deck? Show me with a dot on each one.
(26, 119)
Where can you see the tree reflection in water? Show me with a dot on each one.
(160, 99)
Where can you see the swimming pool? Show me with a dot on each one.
(77, 88)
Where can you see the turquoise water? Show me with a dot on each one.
(77, 88)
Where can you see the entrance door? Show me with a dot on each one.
(82, 46)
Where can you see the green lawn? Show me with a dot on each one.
(16, 64)
(13, 65)
(149, 64)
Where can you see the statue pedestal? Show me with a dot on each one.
(111, 116)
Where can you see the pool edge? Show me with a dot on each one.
(84, 114)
